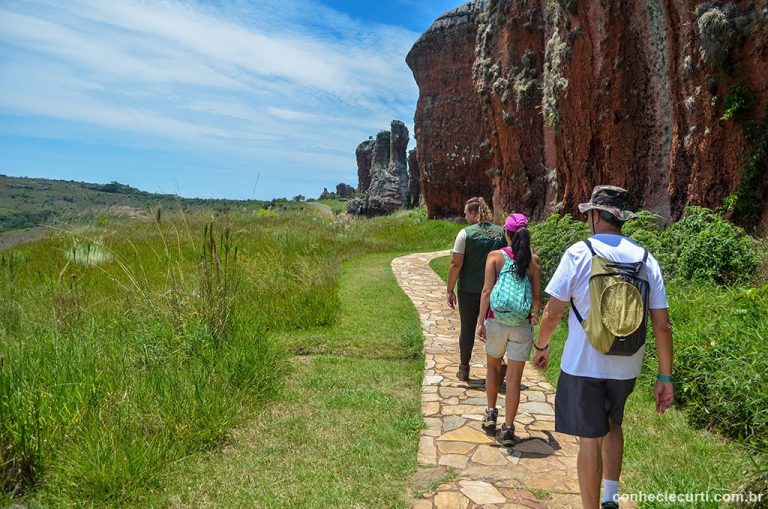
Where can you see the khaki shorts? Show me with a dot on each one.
(516, 341)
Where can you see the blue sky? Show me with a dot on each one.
(202, 98)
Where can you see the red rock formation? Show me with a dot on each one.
(455, 154)
(550, 98)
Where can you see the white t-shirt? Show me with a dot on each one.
(461, 242)
(571, 281)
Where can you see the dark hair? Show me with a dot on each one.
(610, 218)
(520, 242)
(478, 206)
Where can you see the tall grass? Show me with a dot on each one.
(111, 372)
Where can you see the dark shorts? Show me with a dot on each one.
(583, 405)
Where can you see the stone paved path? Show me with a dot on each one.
(541, 463)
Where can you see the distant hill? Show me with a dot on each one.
(31, 202)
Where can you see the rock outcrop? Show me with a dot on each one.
(384, 163)
(364, 154)
(530, 104)
(344, 191)
(325, 195)
(414, 193)
(389, 172)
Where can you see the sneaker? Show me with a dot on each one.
(463, 373)
(609, 504)
(507, 435)
(489, 421)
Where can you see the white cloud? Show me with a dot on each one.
(291, 77)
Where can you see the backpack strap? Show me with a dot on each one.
(573, 305)
(645, 255)
(589, 245)
(508, 251)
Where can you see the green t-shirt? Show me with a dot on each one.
(481, 239)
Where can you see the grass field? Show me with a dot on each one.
(167, 337)
(345, 430)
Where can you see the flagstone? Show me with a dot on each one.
(466, 434)
(512, 477)
(537, 407)
(524, 418)
(451, 422)
(482, 402)
(486, 455)
(481, 493)
(422, 504)
(451, 500)
(535, 396)
(459, 409)
(454, 447)
(427, 454)
(458, 461)
(434, 425)
(430, 407)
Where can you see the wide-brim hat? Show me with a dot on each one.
(611, 199)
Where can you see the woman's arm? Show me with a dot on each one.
(485, 298)
(457, 261)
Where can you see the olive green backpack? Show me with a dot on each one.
(618, 298)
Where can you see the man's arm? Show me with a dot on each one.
(457, 261)
(553, 311)
(663, 390)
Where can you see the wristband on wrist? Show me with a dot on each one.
(664, 378)
(540, 349)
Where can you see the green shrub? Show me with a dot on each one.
(552, 237)
(706, 247)
(722, 360)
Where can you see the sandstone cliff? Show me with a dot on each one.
(530, 104)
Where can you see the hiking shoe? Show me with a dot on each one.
(507, 435)
(609, 504)
(502, 375)
(463, 373)
(489, 421)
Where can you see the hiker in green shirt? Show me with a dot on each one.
(469, 253)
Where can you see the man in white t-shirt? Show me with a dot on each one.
(593, 387)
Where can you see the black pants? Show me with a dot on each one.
(469, 307)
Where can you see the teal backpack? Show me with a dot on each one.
(511, 297)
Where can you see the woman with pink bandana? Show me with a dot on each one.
(515, 340)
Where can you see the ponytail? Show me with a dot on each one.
(478, 206)
(520, 242)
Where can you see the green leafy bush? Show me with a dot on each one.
(552, 237)
(722, 360)
(706, 247)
